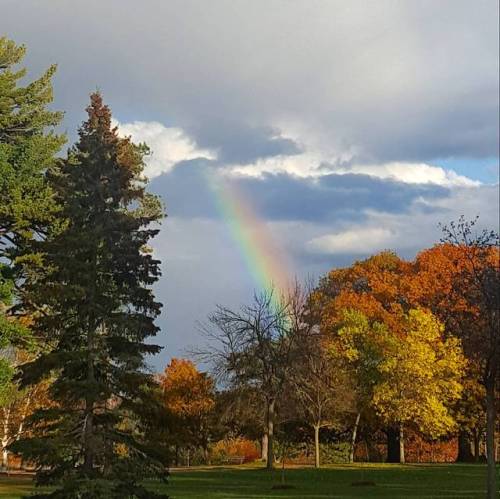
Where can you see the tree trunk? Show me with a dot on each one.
(393, 448)
(88, 430)
(401, 445)
(263, 451)
(5, 438)
(283, 467)
(270, 434)
(490, 436)
(353, 437)
(316, 446)
(477, 449)
(5, 458)
(464, 448)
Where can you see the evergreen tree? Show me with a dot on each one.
(99, 309)
(28, 145)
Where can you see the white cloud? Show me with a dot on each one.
(415, 173)
(360, 240)
(169, 145)
(411, 231)
(322, 156)
(314, 164)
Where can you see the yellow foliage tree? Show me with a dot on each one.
(421, 375)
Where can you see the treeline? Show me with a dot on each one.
(379, 354)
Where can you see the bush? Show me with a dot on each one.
(334, 453)
(234, 447)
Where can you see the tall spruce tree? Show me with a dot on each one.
(28, 146)
(99, 310)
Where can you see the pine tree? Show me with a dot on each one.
(28, 146)
(99, 310)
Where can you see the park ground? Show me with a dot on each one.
(249, 482)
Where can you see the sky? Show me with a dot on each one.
(287, 137)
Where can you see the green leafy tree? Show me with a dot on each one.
(99, 310)
(28, 145)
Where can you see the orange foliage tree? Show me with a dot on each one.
(375, 287)
(189, 395)
(461, 280)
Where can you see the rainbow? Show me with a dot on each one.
(266, 262)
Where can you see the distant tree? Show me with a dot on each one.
(238, 413)
(99, 310)
(28, 145)
(17, 404)
(255, 347)
(190, 396)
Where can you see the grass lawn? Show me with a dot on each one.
(246, 482)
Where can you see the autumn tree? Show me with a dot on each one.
(99, 310)
(375, 287)
(16, 405)
(476, 286)
(190, 396)
(442, 283)
(358, 346)
(420, 377)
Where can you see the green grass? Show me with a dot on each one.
(14, 487)
(248, 482)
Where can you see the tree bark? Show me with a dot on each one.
(353, 437)
(490, 436)
(263, 451)
(5, 438)
(401, 445)
(464, 448)
(393, 448)
(316, 446)
(477, 449)
(88, 430)
(270, 434)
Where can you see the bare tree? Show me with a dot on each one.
(255, 346)
(320, 387)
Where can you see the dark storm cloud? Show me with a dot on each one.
(405, 81)
(238, 143)
(285, 197)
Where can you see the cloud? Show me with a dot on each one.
(239, 143)
(275, 154)
(355, 241)
(407, 232)
(169, 145)
(314, 165)
(390, 81)
(329, 116)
